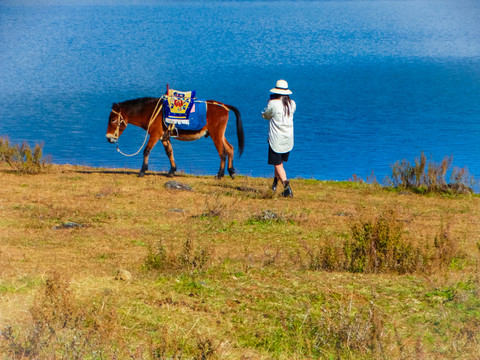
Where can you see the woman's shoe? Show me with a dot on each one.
(287, 190)
(275, 183)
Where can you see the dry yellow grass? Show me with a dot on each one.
(254, 296)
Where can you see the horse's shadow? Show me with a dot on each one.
(109, 171)
(128, 172)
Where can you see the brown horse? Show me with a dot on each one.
(146, 113)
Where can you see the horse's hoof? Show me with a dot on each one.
(141, 174)
(171, 172)
(232, 172)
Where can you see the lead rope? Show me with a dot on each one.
(155, 113)
(215, 103)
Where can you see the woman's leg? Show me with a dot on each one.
(275, 180)
(280, 173)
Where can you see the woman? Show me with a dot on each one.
(280, 111)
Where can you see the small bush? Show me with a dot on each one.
(378, 246)
(22, 158)
(371, 179)
(61, 326)
(190, 258)
(156, 258)
(423, 177)
(445, 249)
(374, 246)
(193, 259)
(328, 257)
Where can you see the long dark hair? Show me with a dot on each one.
(286, 102)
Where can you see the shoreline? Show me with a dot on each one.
(454, 188)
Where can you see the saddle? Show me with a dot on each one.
(182, 111)
(178, 105)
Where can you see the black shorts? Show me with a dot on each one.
(275, 158)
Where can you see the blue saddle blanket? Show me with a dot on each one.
(194, 118)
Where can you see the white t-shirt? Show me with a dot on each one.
(280, 134)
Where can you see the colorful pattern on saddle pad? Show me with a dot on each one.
(197, 117)
(178, 105)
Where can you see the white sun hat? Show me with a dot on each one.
(281, 88)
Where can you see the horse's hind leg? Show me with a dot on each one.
(223, 157)
(169, 150)
(229, 149)
(222, 152)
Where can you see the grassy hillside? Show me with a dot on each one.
(101, 264)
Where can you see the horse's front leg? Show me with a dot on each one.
(146, 153)
(169, 151)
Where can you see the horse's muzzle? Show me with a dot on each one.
(111, 139)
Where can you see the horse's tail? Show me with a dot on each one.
(240, 135)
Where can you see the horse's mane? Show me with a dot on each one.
(135, 105)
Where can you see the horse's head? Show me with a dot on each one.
(116, 124)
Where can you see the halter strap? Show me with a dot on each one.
(155, 113)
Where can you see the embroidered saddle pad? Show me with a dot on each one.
(182, 110)
(178, 105)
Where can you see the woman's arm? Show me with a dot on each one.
(268, 112)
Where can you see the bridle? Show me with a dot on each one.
(119, 122)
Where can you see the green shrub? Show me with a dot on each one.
(378, 246)
(193, 259)
(190, 258)
(327, 257)
(156, 258)
(423, 177)
(22, 158)
(445, 249)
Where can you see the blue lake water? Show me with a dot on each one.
(374, 81)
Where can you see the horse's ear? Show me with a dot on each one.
(114, 106)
